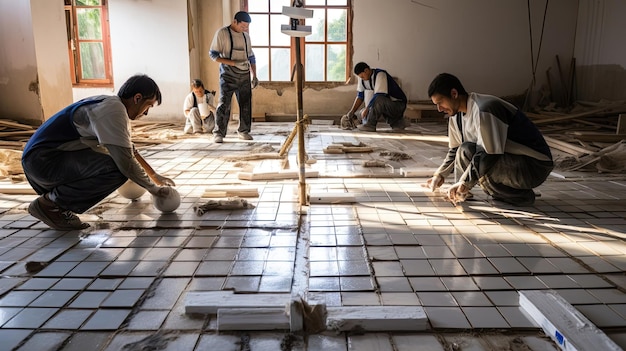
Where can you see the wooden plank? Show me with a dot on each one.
(208, 302)
(275, 175)
(377, 318)
(567, 147)
(569, 328)
(230, 192)
(599, 137)
(17, 189)
(621, 124)
(252, 319)
(13, 124)
(565, 117)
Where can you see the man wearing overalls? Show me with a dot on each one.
(231, 47)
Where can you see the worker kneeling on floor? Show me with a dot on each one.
(84, 152)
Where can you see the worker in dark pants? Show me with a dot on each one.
(491, 143)
(383, 98)
(231, 47)
(84, 152)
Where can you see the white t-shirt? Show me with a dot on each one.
(205, 102)
(106, 122)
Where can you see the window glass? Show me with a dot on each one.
(258, 30)
(337, 25)
(318, 26)
(281, 65)
(262, 63)
(336, 68)
(89, 24)
(314, 68)
(92, 60)
(88, 2)
(258, 6)
(278, 38)
(277, 5)
(326, 51)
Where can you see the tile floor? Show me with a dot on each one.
(121, 284)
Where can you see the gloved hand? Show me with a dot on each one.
(255, 82)
(435, 182)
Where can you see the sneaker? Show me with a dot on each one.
(218, 139)
(244, 136)
(54, 216)
(367, 128)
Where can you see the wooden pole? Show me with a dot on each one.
(300, 126)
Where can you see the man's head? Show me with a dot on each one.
(241, 22)
(139, 93)
(447, 92)
(197, 86)
(363, 70)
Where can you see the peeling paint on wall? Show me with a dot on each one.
(34, 86)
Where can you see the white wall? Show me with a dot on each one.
(150, 37)
(486, 43)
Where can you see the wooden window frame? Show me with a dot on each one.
(73, 44)
(304, 42)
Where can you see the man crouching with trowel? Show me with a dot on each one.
(84, 152)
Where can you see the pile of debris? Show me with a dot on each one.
(591, 136)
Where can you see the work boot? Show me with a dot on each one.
(218, 139)
(244, 136)
(399, 126)
(55, 217)
(367, 128)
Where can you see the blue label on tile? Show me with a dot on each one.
(559, 337)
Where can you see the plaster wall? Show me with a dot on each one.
(600, 52)
(53, 64)
(486, 43)
(19, 92)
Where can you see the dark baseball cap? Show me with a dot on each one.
(243, 16)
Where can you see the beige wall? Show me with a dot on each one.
(55, 83)
(34, 74)
(485, 42)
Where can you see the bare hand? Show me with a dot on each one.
(458, 193)
(435, 182)
(162, 181)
